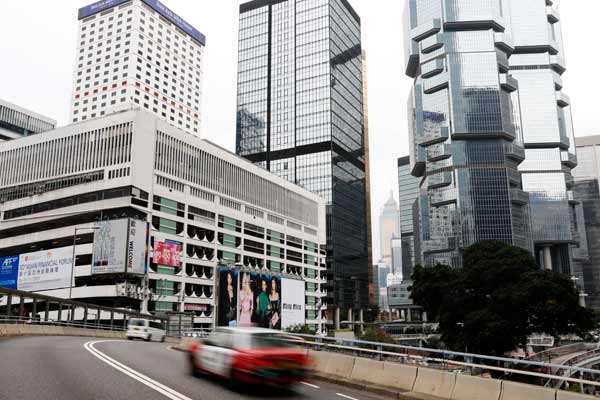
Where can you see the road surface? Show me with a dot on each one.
(75, 368)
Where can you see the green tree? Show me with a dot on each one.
(376, 334)
(497, 299)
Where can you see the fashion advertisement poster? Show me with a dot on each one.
(228, 297)
(260, 300)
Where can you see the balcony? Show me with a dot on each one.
(436, 83)
(514, 176)
(514, 151)
(439, 180)
(558, 64)
(508, 83)
(432, 43)
(434, 136)
(562, 99)
(442, 197)
(518, 196)
(502, 59)
(558, 83)
(425, 30)
(504, 42)
(568, 158)
(432, 68)
(552, 14)
(438, 152)
(443, 245)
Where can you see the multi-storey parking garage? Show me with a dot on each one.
(205, 207)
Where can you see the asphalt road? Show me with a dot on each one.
(75, 368)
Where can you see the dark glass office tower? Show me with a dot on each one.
(465, 129)
(300, 115)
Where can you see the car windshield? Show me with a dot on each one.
(137, 322)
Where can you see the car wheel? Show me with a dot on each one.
(149, 338)
(193, 368)
(162, 339)
(129, 338)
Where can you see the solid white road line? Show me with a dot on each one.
(151, 383)
(346, 397)
(310, 385)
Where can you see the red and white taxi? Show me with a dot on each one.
(249, 355)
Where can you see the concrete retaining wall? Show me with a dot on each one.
(52, 330)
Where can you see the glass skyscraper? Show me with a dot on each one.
(587, 190)
(300, 115)
(492, 135)
(465, 130)
(408, 194)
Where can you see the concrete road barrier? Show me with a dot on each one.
(564, 395)
(399, 376)
(339, 365)
(521, 391)
(366, 370)
(434, 382)
(475, 388)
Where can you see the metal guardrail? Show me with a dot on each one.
(17, 306)
(70, 324)
(533, 372)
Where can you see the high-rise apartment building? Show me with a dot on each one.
(17, 122)
(537, 64)
(587, 190)
(138, 54)
(408, 187)
(388, 229)
(300, 115)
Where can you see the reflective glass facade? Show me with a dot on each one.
(300, 115)
(557, 231)
(465, 129)
(409, 191)
(587, 181)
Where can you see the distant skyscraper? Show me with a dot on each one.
(587, 190)
(388, 228)
(408, 187)
(300, 115)
(138, 53)
(396, 267)
(16, 122)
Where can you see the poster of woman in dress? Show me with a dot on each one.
(246, 300)
(274, 309)
(228, 287)
(267, 300)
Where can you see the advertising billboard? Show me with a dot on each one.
(292, 303)
(110, 247)
(45, 270)
(9, 271)
(167, 253)
(260, 300)
(137, 247)
(228, 297)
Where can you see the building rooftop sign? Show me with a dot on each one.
(163, 10)
(98, 6)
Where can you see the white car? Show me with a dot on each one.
(146, 330)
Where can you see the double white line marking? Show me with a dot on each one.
(151, 383)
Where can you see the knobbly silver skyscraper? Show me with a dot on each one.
(487, 104)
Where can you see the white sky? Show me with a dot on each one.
(37, 56)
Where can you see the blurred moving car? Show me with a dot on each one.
(250, 355)
(146, 330)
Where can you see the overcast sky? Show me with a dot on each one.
(37, 56)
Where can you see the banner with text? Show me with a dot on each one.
(292, 305)
(137, 247)
(9, 271)
(167, 253)
(45, 270)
